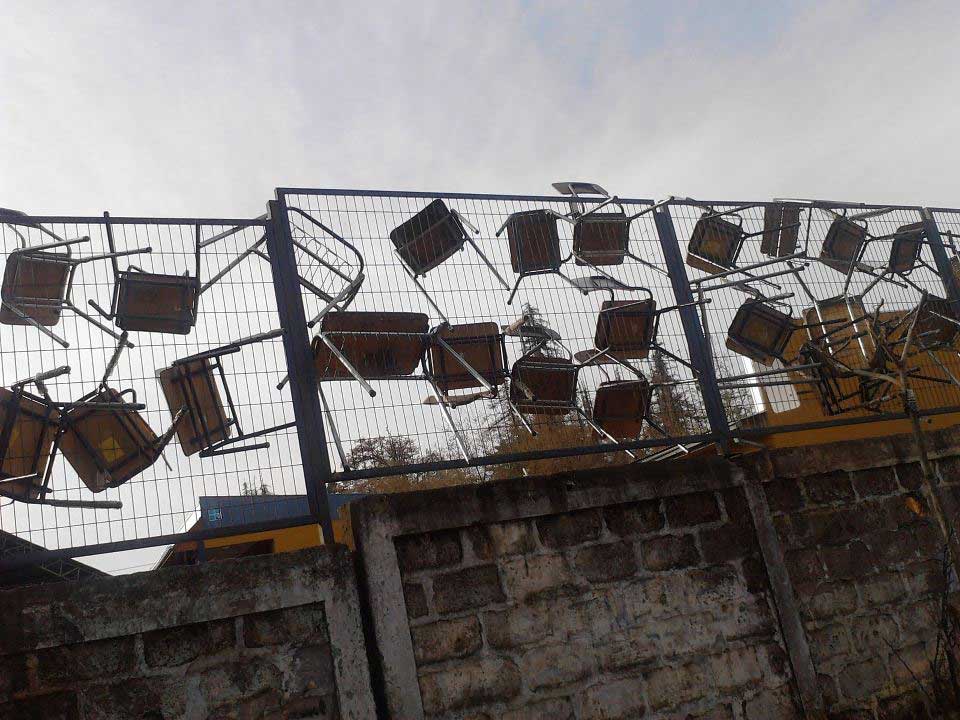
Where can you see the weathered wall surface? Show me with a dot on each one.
(805, 584)
(274, 637)
(642, 593)
(557, 598)
(866, 560)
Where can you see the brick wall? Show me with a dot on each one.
(866, 560)
(611, 612)
(255, 638)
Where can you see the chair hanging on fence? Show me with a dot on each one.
(365, 346)
(473, 357)
(104, 437)
(429, 238)
(844, 245)
(600, 239)
(718, 238)
(937, 324)
(152, 302)
(534, 245)
(621, 406)
(196, 386)
(781, 228)
(627, 330)
(38, 281)
(29, 425)
(107, 441)
(760, 332)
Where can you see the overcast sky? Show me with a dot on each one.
(202, 108)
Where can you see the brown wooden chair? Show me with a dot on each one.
(760, 332)
(621, 406)
(781, 228)
(429, 238)
(534, 245)
(366, 346)
(152, 302)
(28, 430)
(844, 245)
(195, 387)
(38, 281)
(107, 441)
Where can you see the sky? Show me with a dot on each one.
(203, 108)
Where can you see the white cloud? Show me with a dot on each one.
(204, 108)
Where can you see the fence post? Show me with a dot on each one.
(693, 331)
(794, 635)
(950, 284)
(303, 380)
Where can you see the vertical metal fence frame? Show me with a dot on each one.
(351, 335)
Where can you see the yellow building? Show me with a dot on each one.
(240, 510)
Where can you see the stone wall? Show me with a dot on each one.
(866, 560)
(805, 583)
(642, 592)
(564, 597)
(274, 637)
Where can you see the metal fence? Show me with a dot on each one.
(438, 336)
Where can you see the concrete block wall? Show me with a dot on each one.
(567, 597)
(273, 637)
(866, 560)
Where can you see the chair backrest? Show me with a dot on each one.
(760, 332)
(429, 237)
(380, 345)
(150, 302)
(781, 228)
(193, 385)
(626, 327)
(108, 446)
(481, 345)
(601, 239)
(28, 426)
(552, 383)
(905, 247)
(37, 285)
(620, 407)
(534, 242)
(714, 244)
(843, 244)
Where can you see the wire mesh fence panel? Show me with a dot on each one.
(123, 432)
(796, 284)
(454, 337)
(474, 328)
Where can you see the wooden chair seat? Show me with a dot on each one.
(626, 327)
(534, 242)
(149, 302)
(760, 332)
(905, 247)
(552, 383)
(479, 344)
(193, 385)
(781, 228)
(843, 244)
(714, 244)
(108, 446)
(601, 239)
(28, 428)
(35, 278)
(428, 238)
(620, 407)
(389, 344)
